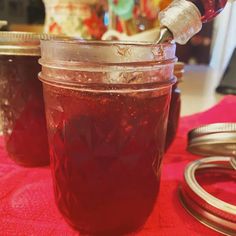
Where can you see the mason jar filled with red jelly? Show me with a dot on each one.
(22, 112)
(107, 107)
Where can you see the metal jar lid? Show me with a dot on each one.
(213, 139)
(206, 208)
(21, 43)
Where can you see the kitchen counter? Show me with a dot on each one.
(198, 89)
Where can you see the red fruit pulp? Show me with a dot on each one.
(22, 110)
(106, 152)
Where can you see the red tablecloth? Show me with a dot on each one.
(26, 198)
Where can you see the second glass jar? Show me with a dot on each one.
(21, 108)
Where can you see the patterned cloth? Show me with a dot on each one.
(75, 18)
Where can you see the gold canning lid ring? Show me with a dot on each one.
(213, 139)
(207, 209)
(22, 43)
(229, 127)
(223, 144)
(19, 43)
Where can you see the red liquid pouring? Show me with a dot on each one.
(209, 8)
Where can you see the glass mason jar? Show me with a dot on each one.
(78, 18)
(22, 112)
(107, 107)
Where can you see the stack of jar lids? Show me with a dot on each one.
(217, 143)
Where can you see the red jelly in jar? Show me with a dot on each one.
(107, 107)
(22, 108)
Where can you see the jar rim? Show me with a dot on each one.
(71, 52)
(76, 40)
(104, 61)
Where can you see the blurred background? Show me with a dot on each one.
(207, 55)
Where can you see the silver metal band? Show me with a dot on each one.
(183, 19)
(209, 210)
